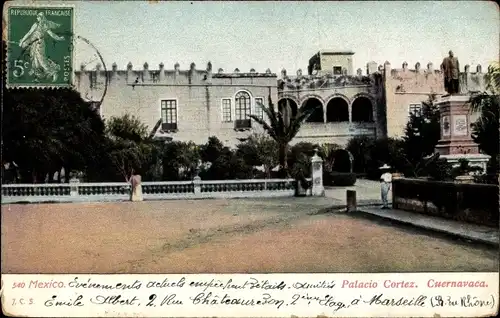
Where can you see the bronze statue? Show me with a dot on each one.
(451, 71)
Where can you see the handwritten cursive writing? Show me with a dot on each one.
(327, 301)
(114, 300)
(54, 301)
(213, 299)
(77, 284)
(401, 301)
(318, 285)
(166, 283)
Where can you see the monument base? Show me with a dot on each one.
(457, 147)
(475, 160)
(456, 141)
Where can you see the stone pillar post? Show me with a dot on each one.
(74, 186)
(197, 185)
(317, 176)
(351, 201)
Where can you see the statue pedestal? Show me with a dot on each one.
(456, 142)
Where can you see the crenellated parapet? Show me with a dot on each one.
(159, 75)
(429, 69)
(430, 78)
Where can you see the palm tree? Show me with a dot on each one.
(282, 126)
(487, 104)
(482, 100)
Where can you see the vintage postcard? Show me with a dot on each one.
(250, 159)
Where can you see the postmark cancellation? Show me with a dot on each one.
(39, 45)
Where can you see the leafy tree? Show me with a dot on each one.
(129, 146)
(422, 132)
(386, 151)
(154, 171)
(326, 152)
(211, 150)
(224, 163)
(47, 130)
(369, 154)
(282, 126)
(180, 160)
(259, 150)
(485, 131)
(360, 147)
(127, 127)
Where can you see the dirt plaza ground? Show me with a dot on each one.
(220, 236)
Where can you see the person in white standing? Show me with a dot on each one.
(385, 185)
(136, 191)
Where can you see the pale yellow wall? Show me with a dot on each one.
(199, 106)
(199, 96)
(406, 86)
(329, 61)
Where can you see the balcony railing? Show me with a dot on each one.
(120, 191)
(169, 126)
(242, 124)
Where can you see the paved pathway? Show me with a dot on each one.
(368, 198)
(478, 233)
(367, 192)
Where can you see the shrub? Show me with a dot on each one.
(475, 203)
(486, 179)
(464, 168)
(359, 147)
(438, 170)
(301, 170)
(342, 161)
(492, 166)
(326, 153)
(369, 154)
(343, 179)
(327, 178)
(386, 151)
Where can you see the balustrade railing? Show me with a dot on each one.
(21, 190)
(247, 185)
(167, 187)
(116, 191)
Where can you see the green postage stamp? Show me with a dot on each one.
(39, 46)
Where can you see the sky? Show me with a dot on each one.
(279, 35)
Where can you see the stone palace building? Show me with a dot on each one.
(195, 104)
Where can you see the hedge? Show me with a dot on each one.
(339, 179)
(473, 203)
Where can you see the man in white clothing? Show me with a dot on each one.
(385, 185)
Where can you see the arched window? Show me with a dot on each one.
(242, 110)
(317, 114)
(242, 106)
(337, 110)
(362, 110)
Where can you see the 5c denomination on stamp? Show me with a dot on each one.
(40, 46)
